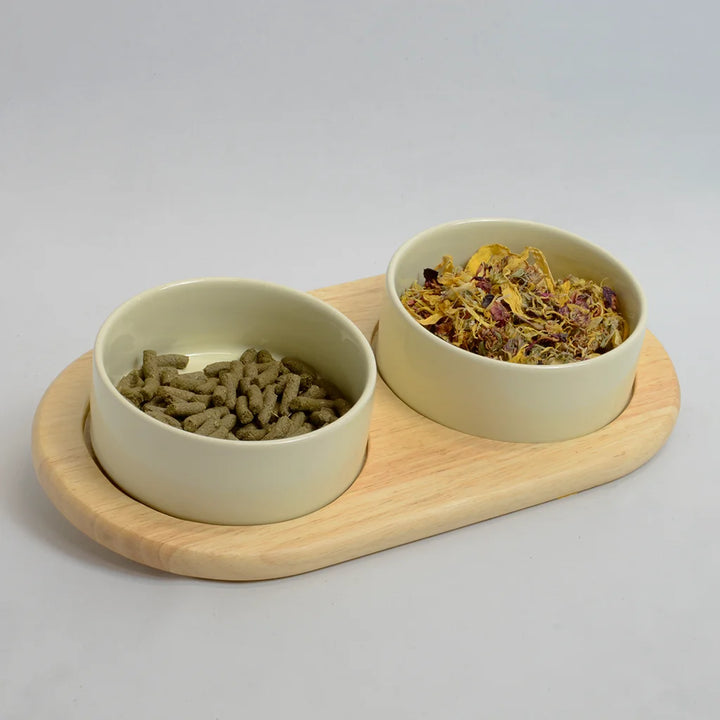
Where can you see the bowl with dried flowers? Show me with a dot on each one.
(510, 330)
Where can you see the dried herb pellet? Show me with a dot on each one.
(299, 367)
(167, 373)
(297, 420)
(131, 380)
(269, 398)
(310, 404)
(133, 394)
(150, 388)
(269, 375)
(263, 356)
(220, 395)
(149, 367)
(278, 429)
(189, 381)
(249, 356)
(164, 418)
(243, 412)
(207, 387)
(322, 417)
(229, 380)
(341, 406)
(290, 392)
(282, 379)
(180, 408)
(150, 364)
(193, 422)
(314, 391)
(174, 360)
(171, 393)
(250, 371)
(222, 426)
(213, 369)
(250, 432)
(255, 399)
(331, 390)
(209, 426)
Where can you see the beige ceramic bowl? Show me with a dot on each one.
(220, 481)
(492, 398)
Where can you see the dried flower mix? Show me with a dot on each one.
(507, 306)
(253, 398)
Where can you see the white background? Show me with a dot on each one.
(145, 142)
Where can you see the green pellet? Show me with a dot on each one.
(250, 432)
(250, 371)
(283, 377)
(175, 360)
(164, 418)
(331, 390)
(180, 408)
(255, 399)
(193, 422)
(169, 393)
(269, 375)
(150, 388)
(297, 420)
(150, 365)
(279, 429)
(213, 369)
(311, 404)
(229, 380)
(314, 391)
(209, 427)
(243, 412)
(167, 373)
(299, 367)
(134, 395)
(207, 387)
(322, 417)
(264, 356)
(269, 398)
(131, 380)
(225, 425)
(248, 356)
(220, 395)
(290, 392)
(190, 381)
(342, 406)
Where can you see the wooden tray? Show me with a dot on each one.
(420, 478)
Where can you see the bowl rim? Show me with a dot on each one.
(481, 360)
(322, 306)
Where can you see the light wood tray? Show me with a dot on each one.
(420, 478)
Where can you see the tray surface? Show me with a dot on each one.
(420, 478)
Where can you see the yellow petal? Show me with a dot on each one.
(483, 255)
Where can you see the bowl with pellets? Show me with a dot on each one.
(230, 400)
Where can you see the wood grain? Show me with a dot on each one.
(420, 478)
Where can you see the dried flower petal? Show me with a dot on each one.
(509, 307)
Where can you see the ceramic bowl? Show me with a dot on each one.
(493, 398)
(221, 481)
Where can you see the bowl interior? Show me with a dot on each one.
(217, 319)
